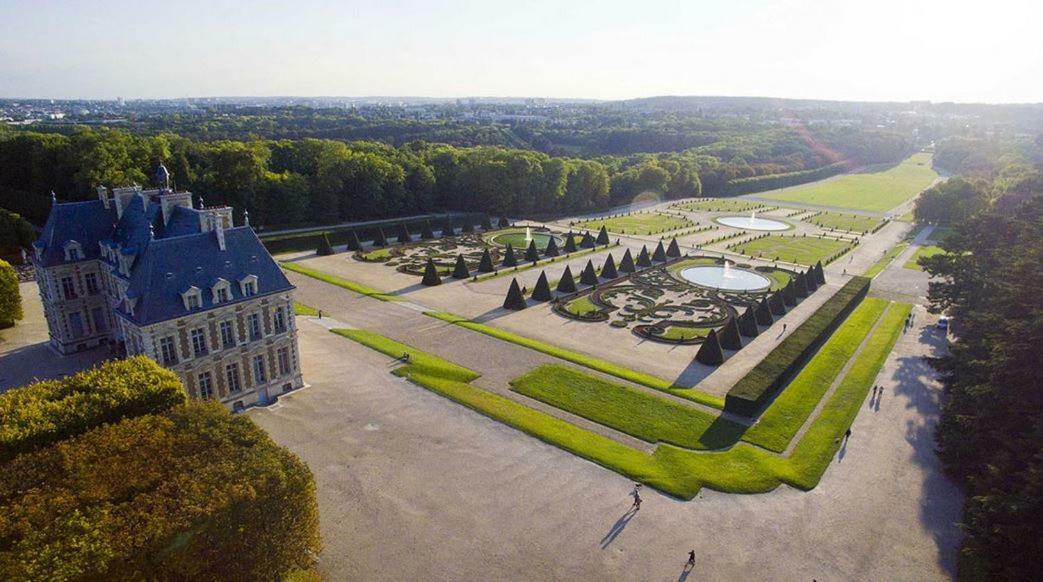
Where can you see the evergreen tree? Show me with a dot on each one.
(403, 233)
(588, 241)
(660, 253)
(431, 276)
(570, 243)
(566, 284)
(460, 271)
(552, 248)
(626, 265)
(589, 276)
(325, 248)
(509, 260)
(820, 275)
(532, 254)
(673, 250)
(602, 236)
(763, 312)
(486, 222)
(447, 227)
(800, 286)
(642, 258)
(776, 304)
(809, 280)
(485, 265)
(503, 223)
(789, 295)
(380, 240)
(748, 323)
(515, 300)
(710, 353)
(541, 292)
(729, 335)
(426, 233)
(354, 244)
(10, 296)
(608, 270)
(468, 226)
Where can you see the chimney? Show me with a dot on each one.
(219, 229)
(103, 195)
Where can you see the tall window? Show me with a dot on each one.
(259, 372)
(68, 288)
(254, 323)
(232, 372)
(167, 352)
(227, 335)
(98, 318)
(250, 289)
(193, 301)
(283, 355)
(206, 386)
(280, 320)
(90, 280)
(198, 342)
(222, 295)
(76, 324)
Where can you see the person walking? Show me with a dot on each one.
(847, 434)
(784, 327)
(637, 502)
(320, 314)
(691, 560)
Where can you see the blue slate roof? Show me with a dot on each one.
(84, 222)
(171, 265)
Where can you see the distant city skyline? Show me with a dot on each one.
(888, 51)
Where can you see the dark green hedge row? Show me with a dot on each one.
(309, 241)
(41, 414)
(740, 186)
(755, 389)
(193, 493)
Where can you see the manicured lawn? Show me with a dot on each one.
(377, 254)
(723, 205)
(882, 264)
(302, 309)
(779, 279)
(849, 222)
(581, 306)
(792, 249)
(875, 191)
(647, 417)
(339, 282)
(676, 332)
(925, 251)
(584, 360)
(419, 362)
(781, 421)
(639, 223)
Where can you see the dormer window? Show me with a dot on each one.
(73, 251)
(192, 298)
(248, 285)
(221, 291)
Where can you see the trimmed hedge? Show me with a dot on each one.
(194, 493)
(772, 181)
(755, 389)
(41, 414)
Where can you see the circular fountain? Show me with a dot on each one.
(751, 222)
(520, 240)
(726, 278)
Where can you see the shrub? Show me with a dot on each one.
(602, 236)
(486, 222)
(763, 312)
(777, 304)
(379, 240)
(325, 249)
(626, 265)
(660, 253)
(10, 296)
(532, 254)
(447, 227)
(541, 292)
(710, 352)
(552, 249)
(589, 276)
(567, 284)
(485, 265)
(503, 223)
(800, 286)
(789, 296)
(570, 243)
(193, 493)
(509, 260)
(588, 241)
(460, 270)
(642, 258)
(515, 300)
(748, 323)
(673, 250)
(608, 270)
(729, 336)
(468, 226)
(431, 276)
(40, 414)
(426, 233)
(403, 233)
(758, 386)
(354, 244)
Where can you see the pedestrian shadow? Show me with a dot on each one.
(843, 450)
(684, 573)
(617, 528)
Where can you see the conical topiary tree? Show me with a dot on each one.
(468, 226)
(487, 223)
(710, 353)
(509, 260)
(552, 248)
(380, 240)
(602, 236)
(673, 250)
(354, 244)
(532, 254)
(588, 241)
(503, 223)
(566, 284)
(485, 265)
(447, 227)
(589, 276)
(541, 292)
(820, 275)
(776, 304)
(608, 270)
(324, 249)
(729, 335)
(460, 271)
(643, 259)
(431, 276)
(809, 280)
(789, 295)
(660, 253)
(800, 285)
(426, 233)
(403, 234)
(627, 263)
(748, 323)
(570, 243)
(515, 300)
(763, 313)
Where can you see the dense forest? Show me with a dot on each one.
(285, 182)
(990, 435)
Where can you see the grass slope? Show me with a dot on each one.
(792, 249)
(794, 405)
(875, 191)
(879, 266)
(339, 282)
(302, 309)
(647, 417)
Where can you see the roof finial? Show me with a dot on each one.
(54, 198)
(246, 217)
(201, 205)
(151, 232)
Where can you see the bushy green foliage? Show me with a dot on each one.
(751, 392)
(325, 248)
(189, 493)
(431, 276)
(740, 186)
(952, 201)
(15, 234)
(10, 296)
(41, 414)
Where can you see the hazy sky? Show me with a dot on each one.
(868, 50)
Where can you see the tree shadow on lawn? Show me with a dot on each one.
(941, 500)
